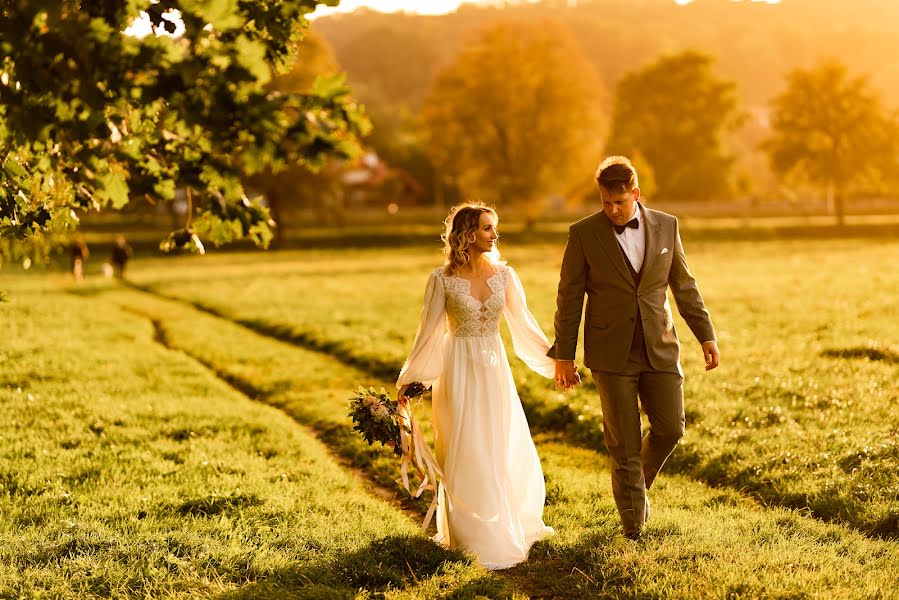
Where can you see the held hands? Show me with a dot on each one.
(566, 375)
(401, 395)
(712, 356)
(410, 391)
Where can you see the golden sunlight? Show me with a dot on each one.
(431, 7)
(685, 2)
(440, 7)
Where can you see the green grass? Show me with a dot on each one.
(804, 411)
(149, 460)
(128, 469)
(701, 541)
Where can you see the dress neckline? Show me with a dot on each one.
(496, 272)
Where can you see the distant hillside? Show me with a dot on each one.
(396, 57)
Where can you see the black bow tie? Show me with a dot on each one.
(633, 224)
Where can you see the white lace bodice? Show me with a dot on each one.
(466, 315)
(450, 309)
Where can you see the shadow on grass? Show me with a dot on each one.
(391, 563)
(216, 504)
(828, 505)
(873, 353)
(69, 549)
(584, 431)
(91, 290)
(582, 569)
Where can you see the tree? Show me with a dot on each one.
(831, 130)
(399, 138)
(516, 116)
(91, 118)
(297, 184)
(393, 61)
(676, 114)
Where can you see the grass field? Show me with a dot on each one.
(804, 412)
(187, 436)
(129, 469)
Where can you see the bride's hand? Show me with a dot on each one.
(566, 376)
(401, 395)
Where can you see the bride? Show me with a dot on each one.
(483, 445)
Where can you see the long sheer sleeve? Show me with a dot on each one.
(528, 339)
(425, 363)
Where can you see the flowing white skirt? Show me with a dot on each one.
(484, 446)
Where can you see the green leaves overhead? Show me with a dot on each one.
(93, 118)
(12, 168)
(251, 55)
(330, 87)
(114, 189)
(222, 15)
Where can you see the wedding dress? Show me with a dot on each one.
(483, 445)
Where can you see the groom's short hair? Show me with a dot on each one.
(616, 174)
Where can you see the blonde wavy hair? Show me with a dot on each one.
(461, 223)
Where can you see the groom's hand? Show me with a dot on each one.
(712, 357)
(566, 375)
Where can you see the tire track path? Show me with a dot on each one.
(733, 541)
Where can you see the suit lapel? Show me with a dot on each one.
(653, 235)
(610, 246)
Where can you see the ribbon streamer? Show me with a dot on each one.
(417, 455)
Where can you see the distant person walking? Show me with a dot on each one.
(79, 252)
(121, 252)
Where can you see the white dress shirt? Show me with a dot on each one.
(633, 241)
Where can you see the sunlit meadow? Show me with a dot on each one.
(802, 413)
(156, 439)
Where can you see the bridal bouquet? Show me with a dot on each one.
(381, 419)
(375, 416)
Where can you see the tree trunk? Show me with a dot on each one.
(533, 208)
(439, 192)
(829, 198)
(275, 206)
(839, 207)
(835, 202)
(177, 220)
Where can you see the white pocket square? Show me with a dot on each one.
(664, 251)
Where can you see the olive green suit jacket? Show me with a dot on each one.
(594, 265)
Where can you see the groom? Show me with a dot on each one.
(625, 259)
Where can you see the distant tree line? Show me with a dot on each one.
(514, 106)
(450, 82)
